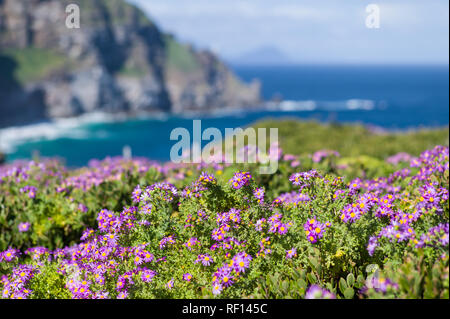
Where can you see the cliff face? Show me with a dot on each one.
(118, 61)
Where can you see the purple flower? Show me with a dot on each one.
(225, 276)
(101, 295)
(30, 190)
(217, 288)
(170, 283)
(292, 199)
(259, 194)
(241, 262)
(240, 179)
(316, 292)
(82, 208)
(301, 179)
(399, 157)
(147, 275)
(166, 240)
(23, 227)
(372, 245)
(259, 224)
(435, 236)
(291, 253)
(37, 252)
(320, 155)
(146, 209)
(160, 191)
(283, 228)
(350, 213)
(190, 244)
(122, 295)
(314, 230)
(187, 277)
(9, 254)
(205, 259)
(136, 195)
(206, 178)
(379, 284)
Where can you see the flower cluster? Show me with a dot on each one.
(259, 194)
(160, 191)
(166, 240)
(175, 240)
(435, 236)
(303, 179)
(320, 155)
(276, 226)
(291, 200)
(29, 190)
(9, 255)
(191, 243)
(16, 286)
(205, 259)
(199, 186)
(240, 179)
(226, 275)
(314, 230)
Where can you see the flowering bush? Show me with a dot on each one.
(137, 229)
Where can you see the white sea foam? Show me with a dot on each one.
(74, 128)
(356, 104)
(288, 106)
(310, 105)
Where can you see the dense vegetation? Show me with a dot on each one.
(353, 140)
(323, 226)
(34, 63)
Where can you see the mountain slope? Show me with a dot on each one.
(118, 61)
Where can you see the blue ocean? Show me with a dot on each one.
(389, 97)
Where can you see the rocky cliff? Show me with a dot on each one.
(117, 61)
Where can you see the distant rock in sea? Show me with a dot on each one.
(118, 61)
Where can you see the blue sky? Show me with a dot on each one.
(311, 31)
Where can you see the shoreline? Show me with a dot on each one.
(13, 136)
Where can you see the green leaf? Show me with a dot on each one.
(350, 280)
(359, 281)
(311, 278)
(342, 285)
(274, 280)
(349, 293)
(314, 263)
(285, 287)
(301, 283)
